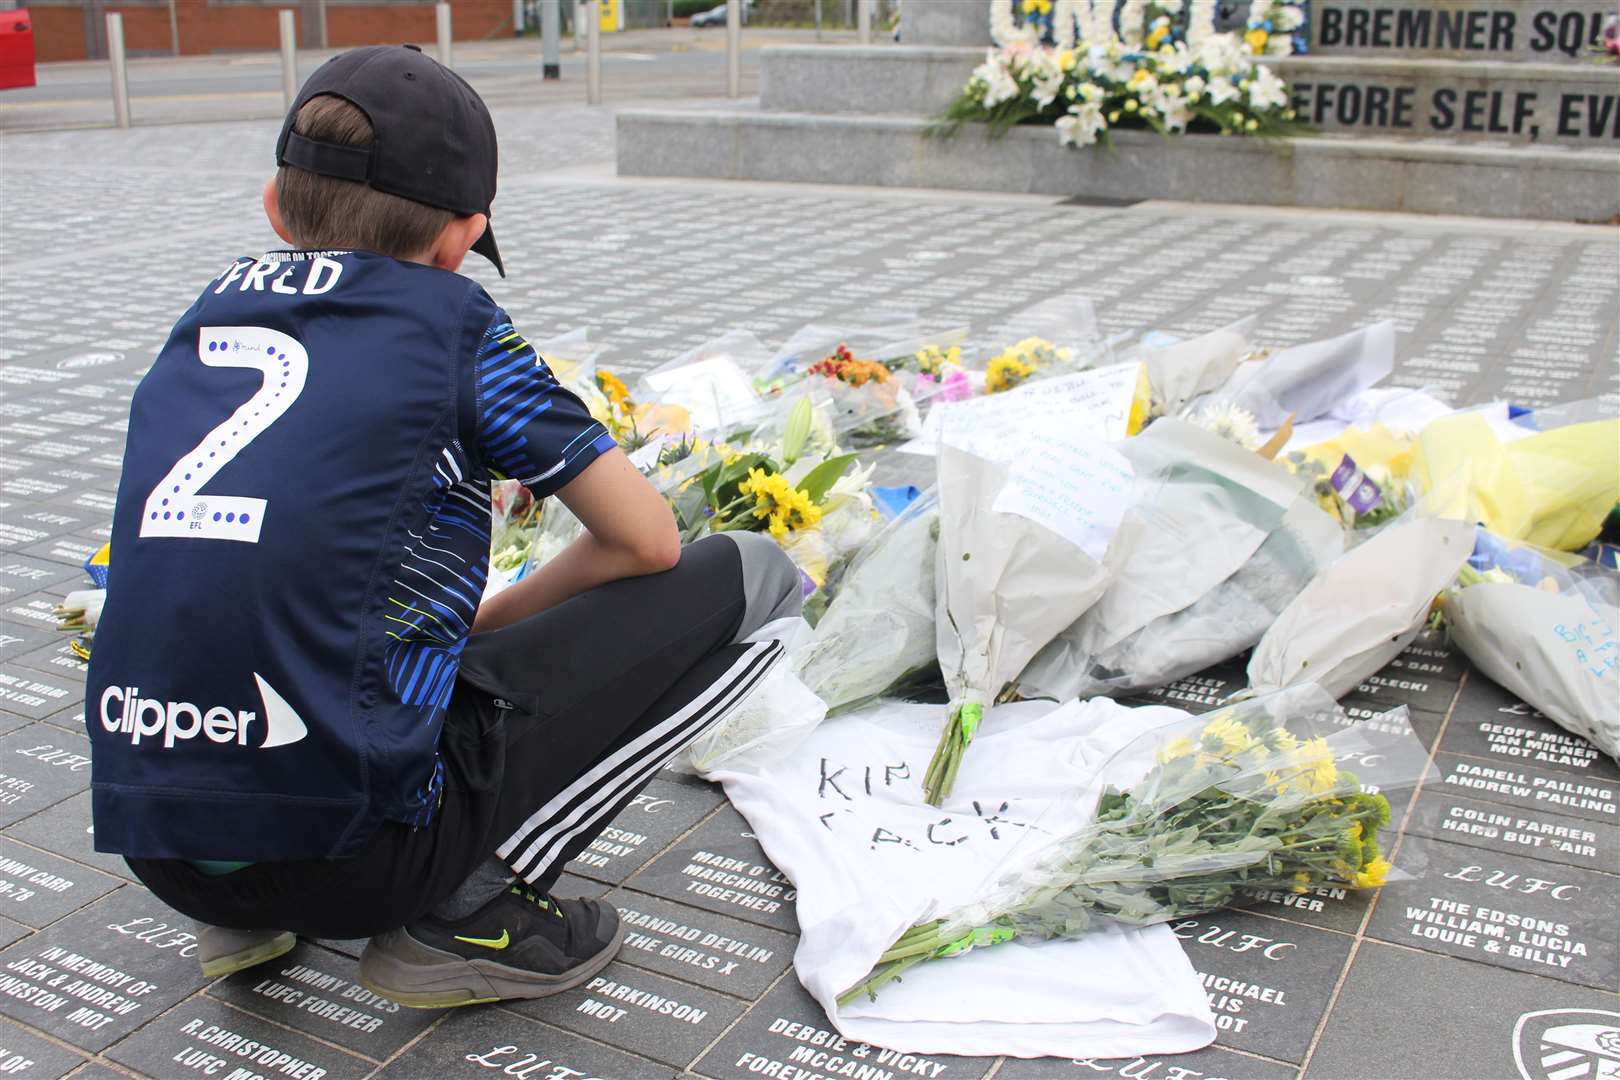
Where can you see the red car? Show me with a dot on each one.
(16, 49)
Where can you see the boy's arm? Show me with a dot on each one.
(533, 429)
(629, 531)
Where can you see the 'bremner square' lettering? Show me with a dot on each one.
(1356, 26)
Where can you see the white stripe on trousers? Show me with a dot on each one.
(630, 766)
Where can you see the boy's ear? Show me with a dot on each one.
(455, 240)
(272, 210)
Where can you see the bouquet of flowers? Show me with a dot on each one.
(1191, 818)
(1364, 609)
(1544, 625)
(879, 628)
(1021, 548)
(870, 400)
(1153, 72)
(1194, 492)
(1182, 371)
(1306, 381)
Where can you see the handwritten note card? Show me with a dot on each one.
(1095, 403)
(715, 390)
(1076, 487)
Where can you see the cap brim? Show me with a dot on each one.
(485, 246)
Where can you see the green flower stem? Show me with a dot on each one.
(877, 980)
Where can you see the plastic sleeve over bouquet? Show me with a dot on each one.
(1278, 792)
(1187, 370)
(1228, 619)
(1307, 381)
(1200, 504)
(1361, 612)
(1547, 633)
(880, 625)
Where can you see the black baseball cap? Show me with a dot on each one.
(434, 141)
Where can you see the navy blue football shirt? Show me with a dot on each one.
(299, 546)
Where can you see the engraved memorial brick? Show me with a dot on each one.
(99, 974)
(660, 813)
(722, 868)
(37, 888)
(486, 1044)
(318, 992)
(1506, 910)
(638, 1011)
(1268, 982)
(40, 765)
(711, 950)
(207, 1040)
(788, 1032)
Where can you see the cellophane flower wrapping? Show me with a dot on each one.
(772, 721)
(1543, 625)
(879, 628)
(1009, 582)
(1228, 619)
(1181, 372)
(1200, 505)
(1278, 792)
(1364, 609)
(1550, 488)
(1304, 382)
(712, 382)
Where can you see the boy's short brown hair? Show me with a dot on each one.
(330, 214)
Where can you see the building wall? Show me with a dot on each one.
(75, 29)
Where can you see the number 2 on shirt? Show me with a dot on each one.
(175, 507)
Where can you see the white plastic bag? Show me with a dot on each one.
(1307, 381)
(1200, 508)
(1546, 631)
(1364, 610)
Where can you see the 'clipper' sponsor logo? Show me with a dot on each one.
(124, 711)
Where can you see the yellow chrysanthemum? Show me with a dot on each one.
(1037, 7)
(1227, 736)
(1176, 748)
(1302, 881)
(779, 504)
(1257, 39)
(1005, 372)
(932, 360)
(1066, 60)
(1281, 739)
(1160, 32)
(616, 392)
(1355, 830)
(1373, 874)
(1272, 780)
(1317, 771)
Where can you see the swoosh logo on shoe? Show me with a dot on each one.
(489, 943)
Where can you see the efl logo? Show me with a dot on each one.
(124, 711)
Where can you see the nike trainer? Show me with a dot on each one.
(225, 952)
(522, 944)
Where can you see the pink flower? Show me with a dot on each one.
(957, 386)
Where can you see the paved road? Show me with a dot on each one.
(636, 65)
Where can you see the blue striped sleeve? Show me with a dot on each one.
(531, 427)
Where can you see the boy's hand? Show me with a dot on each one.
(629, 531)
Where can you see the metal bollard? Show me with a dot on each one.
(441, 18)
(120, 74)
(550, 35)
(320, 13)
(734, 48)
(863, 18)
(593, 52)
(289, 57)
(579, 25)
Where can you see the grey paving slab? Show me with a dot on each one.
(1268, 982)
(1206, 1064)
(721, 868)
(655, 817)
(658, 1018)
(1494, 1023)
(40, 765)
(317, 992)
(55, 657)
(1506, 910)
(787, 1032)
(24, 1054)
(100, 973)
(206, 1039)
(1325, 906)
(1493, 725)
(64, 829)
(11, 931)
(480, 1043)
(21, 575)
(1592, 845)
(37, 888)
(70, 548)
(713, 951)
(1531, 787)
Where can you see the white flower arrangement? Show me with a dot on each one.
(1164, 68)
